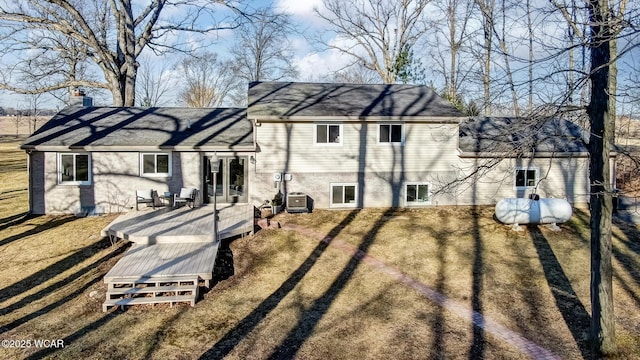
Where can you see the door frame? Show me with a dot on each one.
(226, 197)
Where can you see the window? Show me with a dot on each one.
(418, 194)
(328, 134)
(526, 178)
(343, 195)
(74, 169)
(390, 133)
(155, 164)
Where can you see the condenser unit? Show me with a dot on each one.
(297, 202)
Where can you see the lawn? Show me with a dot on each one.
(286, 293)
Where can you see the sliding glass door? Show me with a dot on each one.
(230, 183)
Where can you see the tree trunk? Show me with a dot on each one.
(530, 65)
(503, 46)
(600, 117)
(487, 7)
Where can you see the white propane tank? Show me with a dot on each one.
(528, 211)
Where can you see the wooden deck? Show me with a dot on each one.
(181, 225)
(163, 260)
(169, 245)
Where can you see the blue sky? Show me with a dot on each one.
(314, 64)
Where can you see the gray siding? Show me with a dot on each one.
(379, 189)
(115, 178)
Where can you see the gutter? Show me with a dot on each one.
(129, 148)
(351, 118)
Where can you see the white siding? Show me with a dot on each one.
(115, 178)
(290, 147)
(566, 178)
(381, 170)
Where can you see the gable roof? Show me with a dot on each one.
(318, 101)
(136, 128)
(515, 136)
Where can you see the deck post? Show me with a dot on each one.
(214, 166)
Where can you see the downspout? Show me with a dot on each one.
(30, 177)
(256, 124)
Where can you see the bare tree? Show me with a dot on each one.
(208, 81)
(34, 111)
(153, 83)
(450, 40)
(114, 33)
(487, 8)
(263, 49)
(502, 42)
(375, 33)
(355, 74)
(17, 121)
(607, 22)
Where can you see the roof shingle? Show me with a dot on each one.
(519, 135)
(164, 128)
(286, 100)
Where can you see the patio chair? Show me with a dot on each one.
(186, 196)
(148, 197)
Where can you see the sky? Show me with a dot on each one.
(313, 63)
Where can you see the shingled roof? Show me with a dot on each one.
(318, 101)
(514, 136)
(135, 128)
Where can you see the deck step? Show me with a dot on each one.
(150, 279)
(180, 280)
(163, 289)
(152, 290)
(148, 300)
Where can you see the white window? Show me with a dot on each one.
(526, 177)
(344, 195)
(328, 134)
(390, 133)
(155, 164)
(74, 169)
(417, 193)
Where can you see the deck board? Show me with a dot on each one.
(174, 242)
(156, 260)
(181, 225)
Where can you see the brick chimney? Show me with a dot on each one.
(78, 98)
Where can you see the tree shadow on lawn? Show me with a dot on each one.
(56, 286)
(310, 317)
(245, 326)
(53, 270)
(105, 319)
(12, 220)
(54, 222)
(573, 311)
(631, 242)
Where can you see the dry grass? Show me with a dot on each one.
(290, 295)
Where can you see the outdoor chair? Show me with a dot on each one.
(186, 196)
(148, 197)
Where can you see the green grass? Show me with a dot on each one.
(291, 294)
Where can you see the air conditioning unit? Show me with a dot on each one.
(297, 202)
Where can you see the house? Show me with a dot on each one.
(343, 145)
(93, 159)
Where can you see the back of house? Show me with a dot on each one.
(337, 145)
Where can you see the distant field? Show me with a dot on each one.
(10, 124)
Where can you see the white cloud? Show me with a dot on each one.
(302, 11)
(316, 66)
